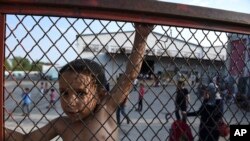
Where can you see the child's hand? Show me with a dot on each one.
(143, 29)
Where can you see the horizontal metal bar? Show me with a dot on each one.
(147, 11)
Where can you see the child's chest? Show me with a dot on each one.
(92, 130)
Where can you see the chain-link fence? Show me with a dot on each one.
(159, 71)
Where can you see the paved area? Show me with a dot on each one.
(150, 124)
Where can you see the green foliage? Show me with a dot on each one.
(7, 65)
(36, 66)
(20, 64)
(23, 64)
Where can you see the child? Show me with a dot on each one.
(90, 111)
(26, 101)
(140, 97)
(42, 89)
(52, 98)
(46, 87)
(181, 100)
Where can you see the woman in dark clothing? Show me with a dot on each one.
(210, 113)
(181, 100)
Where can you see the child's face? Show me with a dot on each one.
(78, 94)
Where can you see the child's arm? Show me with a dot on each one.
(11, 135)
(125, 83)
(45, 133)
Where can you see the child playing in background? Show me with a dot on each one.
(140, 97)
(42, 89)
(26, 101)
(46, 87)
(52, 98)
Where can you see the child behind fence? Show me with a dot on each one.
(90, 111)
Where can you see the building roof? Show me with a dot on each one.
(157, 45)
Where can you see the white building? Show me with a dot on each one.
(50, 71)
(163, 53)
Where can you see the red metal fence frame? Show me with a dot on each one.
(148, 11)
(2, 35)
(134, 11)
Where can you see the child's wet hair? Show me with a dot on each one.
(86, 65)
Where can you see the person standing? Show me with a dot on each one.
(52, 98)
(181, 100)
(210, 115)
(26, 101)
(46, 87)
(42, 89)
(135, 83)
(192, 79)
(121, 110)
(140, 98)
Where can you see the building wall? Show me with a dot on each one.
(157, 45)
(238, 62)
(167, 53)
(115, 64)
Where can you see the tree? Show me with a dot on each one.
(7, 65)
(20, 64)
(36, 66)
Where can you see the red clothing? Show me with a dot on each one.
(141, 92)
(140, 98)
(180, 131)
(53, 96)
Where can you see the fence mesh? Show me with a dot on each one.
(37, 47)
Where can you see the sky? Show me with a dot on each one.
(35, 37)
(242, 6)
